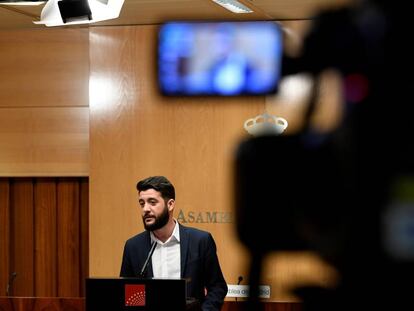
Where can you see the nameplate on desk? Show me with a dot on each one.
(240, 291)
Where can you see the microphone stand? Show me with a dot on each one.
(10, 283)
(145, 266)
(239, 280)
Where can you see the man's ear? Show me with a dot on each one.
(171, 204)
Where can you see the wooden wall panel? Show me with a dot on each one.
(41, 304)
(68, 238)
(22, 236)
(136, 133)
(44, 68)
(45, 237)
(44, 97)
(44, 141)
(4, 234)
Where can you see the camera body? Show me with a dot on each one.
(290, 195)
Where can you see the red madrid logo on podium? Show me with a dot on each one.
(134, 295)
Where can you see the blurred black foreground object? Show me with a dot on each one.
(348, 194)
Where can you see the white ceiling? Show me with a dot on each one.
(138, 12)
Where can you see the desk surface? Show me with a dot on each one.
(78, 304)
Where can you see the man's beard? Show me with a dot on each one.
(159, 222)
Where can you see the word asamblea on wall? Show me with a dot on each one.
(204, 217)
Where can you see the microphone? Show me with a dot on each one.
(145, 266)
(238, 282)
(10, 283)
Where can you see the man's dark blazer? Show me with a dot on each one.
(199, 264)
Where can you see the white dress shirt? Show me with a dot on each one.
(166, 261)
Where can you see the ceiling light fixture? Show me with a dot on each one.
(233, 6)
(22, 2)
(72, 12)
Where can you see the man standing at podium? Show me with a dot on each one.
(180, 252)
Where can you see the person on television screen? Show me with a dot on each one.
(180, 252)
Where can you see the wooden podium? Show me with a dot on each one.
(130, 294)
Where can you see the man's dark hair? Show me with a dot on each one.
(158, 183)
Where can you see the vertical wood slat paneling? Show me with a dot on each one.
(84, 232)
(37, 215)
(45, 237)
(68, 238)
(22, 232)
(4, 234)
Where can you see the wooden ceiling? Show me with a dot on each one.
(139, 12)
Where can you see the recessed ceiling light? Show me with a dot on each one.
(20, 2)
(234, 6)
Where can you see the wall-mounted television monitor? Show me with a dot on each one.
(219, 58)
